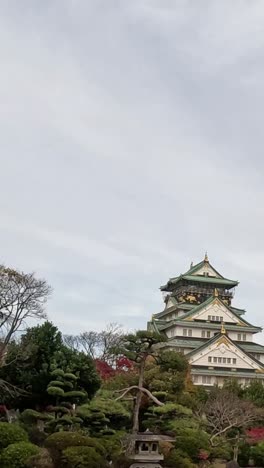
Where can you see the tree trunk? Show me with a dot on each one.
(135, 427)
(235, 457)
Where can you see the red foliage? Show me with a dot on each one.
(255, 435)
(203, 455)
(106, 371)
(123, 364)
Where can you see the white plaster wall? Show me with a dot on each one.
(242, 361)
(177, 330)
(208, 270)
(217, 380)
(233, 335)
(216, 308)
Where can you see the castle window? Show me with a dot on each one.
(234, 361)
(224, 360)
(228, 360)
(219, 360)
(221, 319)
(206, 379)
(209, 359)
(244, 337)
(184, 332)
(208, 334)
(215, 359)
(189, 332)
(203, 333)
(209, 318)
(196, 378)
(239, 336)
(257, 356)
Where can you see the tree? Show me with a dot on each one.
(255, 393)
(29, 365)
(22, 296)
(138, 348)
(98, 345)
(225, 414)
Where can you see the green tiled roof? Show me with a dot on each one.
(183, 306)
(226, 373)
(252, 347)
(237, 311)
(210, 279)
(190, 307)
(197, 267)
(190, 276)
(199, 307)
(208, 325)
(178, 342)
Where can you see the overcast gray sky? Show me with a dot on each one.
(131, 142)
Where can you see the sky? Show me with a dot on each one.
(131, 143)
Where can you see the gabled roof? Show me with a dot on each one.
(225, 338)
(193, 275)
(205, 262)
(210, 300)
(195, 343)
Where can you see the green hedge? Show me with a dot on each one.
(16, 455)
(11, 433)
(60, 441)
(83, 457)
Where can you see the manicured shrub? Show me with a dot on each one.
(30, 416)
(16, 455)
(56, 383)
(11, 433)
(191, 441)
(55, 391)
(75, 394)
(83, 457)
(69, 375)
(62, 440)
(178, 458)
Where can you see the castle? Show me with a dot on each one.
(200, 321)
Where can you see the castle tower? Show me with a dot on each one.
(200, 321)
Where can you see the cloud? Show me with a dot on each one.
(131, 142)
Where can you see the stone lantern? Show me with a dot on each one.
(146, 450)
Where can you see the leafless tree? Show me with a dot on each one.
(22, 296)
(224, 412)
(98, 345)
(72, 341)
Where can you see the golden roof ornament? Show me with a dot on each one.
(223, 330)
(206, 257)
(216, 293)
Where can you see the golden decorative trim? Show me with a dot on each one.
(223, 330)
(223, 340)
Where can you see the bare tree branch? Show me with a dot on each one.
(141, 389)
(224, 411)
(22, 296)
